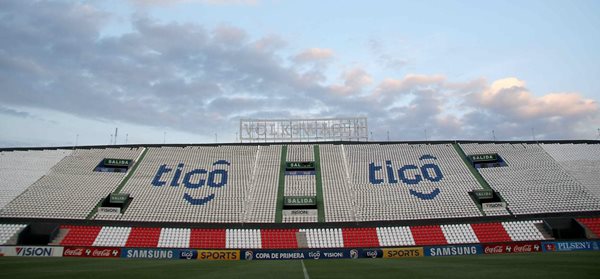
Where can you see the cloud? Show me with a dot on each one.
(384, 58)
(192, 78)
(229, 35)
(354, 81)
(511, 97)
(14, 112)
(409, 82)
(207, 2)
(314, 55)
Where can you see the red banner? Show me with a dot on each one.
(512, 247)
(92, 252)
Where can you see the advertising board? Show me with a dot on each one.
(92, 252)
(453, 250)
(512, 247)
(314, 254)
(138, 253)
(32, 251)
(411, 252)
(218, 255)
(568, 246)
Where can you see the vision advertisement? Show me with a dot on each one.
(32, 251)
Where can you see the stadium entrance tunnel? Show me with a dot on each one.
(116, 202)
(492, 160)
(565, 228)
(489, 201)
(114, 165)
(38, 234)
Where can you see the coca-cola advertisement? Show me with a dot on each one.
(92, 252)
(513, 247)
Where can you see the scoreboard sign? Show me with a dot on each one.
(118, 198)
(300, 201)
(483, 158)
(109, 162)
(284, 130)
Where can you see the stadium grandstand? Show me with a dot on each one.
(299, 195)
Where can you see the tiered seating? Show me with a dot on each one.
(288, 239)
(395, 236)
(460, 233)
(261, 197)
(300, 153)
(80, 235)
(338, 195)
(523, 230)
(244, 239)
(166, 203)
(360, 237)
(174, 238)
(582, 161)
(490, 232)
(208, 238)
(501, 211)
(443, 196)
(143, 237)
(591, 223)
(324, 238)
(300, 219)
(112, 236)
(9, 230)
(71, 189)
(19, 169)
(279, 238)
(300, 185)
(428, 235)
(532, 182)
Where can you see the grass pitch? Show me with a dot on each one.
(542, 265)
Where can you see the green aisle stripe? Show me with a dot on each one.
(471, 168)
(131, 172)
(484, 184)
(121, 185)
(281, 186)
(320, 201)
(91, 214)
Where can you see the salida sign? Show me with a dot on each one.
(193, 179)
(91, 252)
(410, 175)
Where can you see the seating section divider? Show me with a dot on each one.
(316, 237)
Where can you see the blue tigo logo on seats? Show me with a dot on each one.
(194, 179)
(409, 174)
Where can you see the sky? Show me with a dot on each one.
(186, 71)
